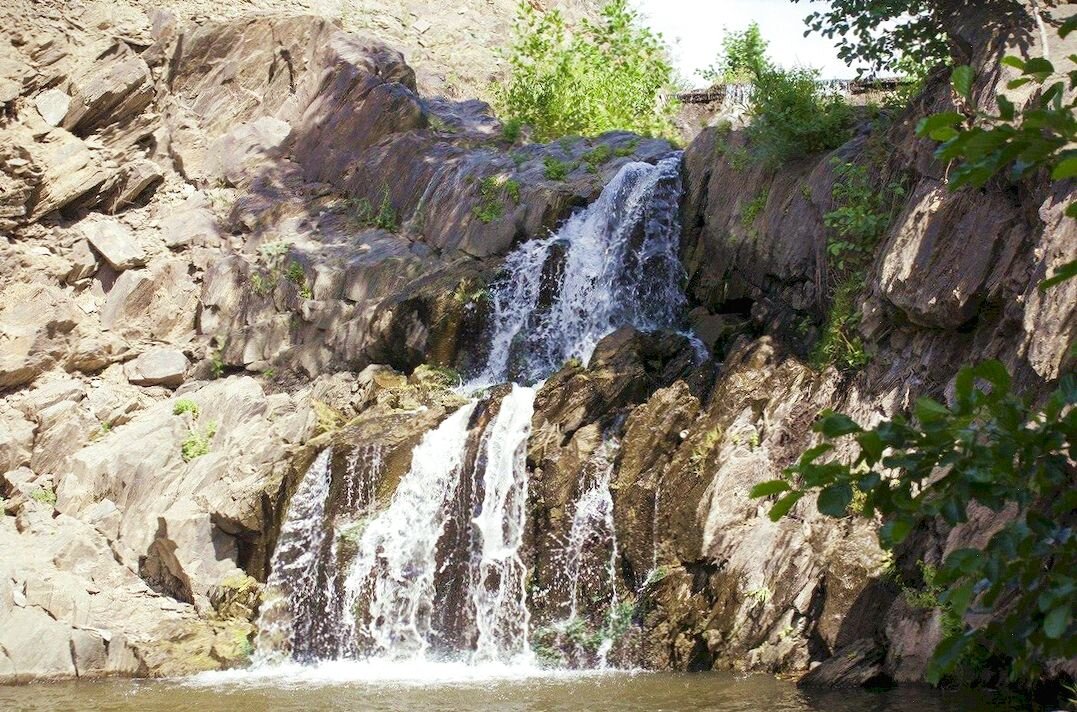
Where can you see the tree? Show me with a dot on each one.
(607, 75)
(744, 54)
(883, 33)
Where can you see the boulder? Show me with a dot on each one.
(109, 92)
(114, 241)
(235, 156)
(36, 321)
(53, 105)
(159, 367)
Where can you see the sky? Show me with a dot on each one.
(694, 31)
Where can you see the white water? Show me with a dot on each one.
(612, 264)
(293, 570)
(393, 573)
(593, 529)
(499, 594)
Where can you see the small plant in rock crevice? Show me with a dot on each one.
(44, 495)
(185, 405)
(597, 156)
(492, 193)
(862, 213)
(753, 209)
(197, 443)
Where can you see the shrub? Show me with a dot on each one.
(754, 208)
(792, 115)
(511, 129)
(555, 169)
(597, 156)
(605, 75)
(185, 405)
(841, 345)
(492, 191)
(386, 217)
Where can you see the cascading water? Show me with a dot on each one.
(393, 575)
(440, 572)
(614, 264)
(292, 582)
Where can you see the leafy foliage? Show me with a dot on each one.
(492, 192)
(990, 448)
(792, 115)
(744, 54)
(555, 169)
(840, 344)
(861, 215)
(883, 33)
(862, 212)
(606, 75)
(1039, 136)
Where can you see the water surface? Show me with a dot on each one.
(397, 687)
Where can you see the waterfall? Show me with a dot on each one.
(440, 571)
(393, 573)
(499, 593)
(612, 264)
(285, 619)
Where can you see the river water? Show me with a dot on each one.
(431, 687)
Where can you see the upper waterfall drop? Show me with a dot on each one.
(612, 264)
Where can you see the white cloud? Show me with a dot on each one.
(694, 30)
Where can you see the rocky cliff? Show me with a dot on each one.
(228, 240)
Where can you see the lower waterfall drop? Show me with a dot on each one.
(392, 578)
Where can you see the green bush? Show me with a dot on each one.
(45, 495)
(555, 169)
(990, 448)
(792, 115)
(605, 75)
(492, 192)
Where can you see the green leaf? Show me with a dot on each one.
(1017, 83)
(994, 372)
(1015, 62)
(1056, 622)
(928, 410)
(1071, 210)
(1067, 168)
(871, 443)
(962, 78)
(765, 489)
(895, 531)
(958, 598)
(946, 656)
(1067, 27)
(933, 123)
(834, 425)
(835, 499)
(1006, 108)
(1066, 271)
(1039, 66)
(783, 505)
